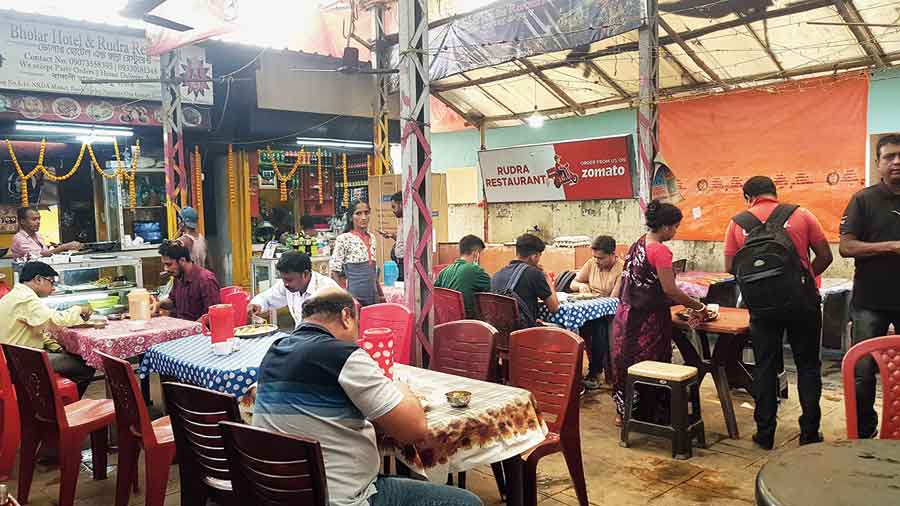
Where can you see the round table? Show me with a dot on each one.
(860, 471)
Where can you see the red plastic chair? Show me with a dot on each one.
(46, 419)
(202, 464)
(502, 313)
(464, 348)
(886, 353)
(395, 317)
(436, 270)
(448, 306)
(547, 362)
(269, 468)
(136, 431)
(10, 425)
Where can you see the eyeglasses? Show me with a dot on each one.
(52, 281)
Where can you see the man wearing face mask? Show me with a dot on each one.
(465, 275)
(297, 284)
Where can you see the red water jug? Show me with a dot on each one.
(379, 344)
(239, 300)
(218, 323)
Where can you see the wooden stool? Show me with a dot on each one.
(685, 424)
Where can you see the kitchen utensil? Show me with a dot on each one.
(139, 305)
(239, 301)
(379, 344)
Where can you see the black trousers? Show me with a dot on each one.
(804, 333)
(72, 367)
(866, 325)
(596, 335)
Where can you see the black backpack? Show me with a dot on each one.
(526, 319)
(768, 269)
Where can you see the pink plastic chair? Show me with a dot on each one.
(449, 306)
(886, 353)
(395, 317)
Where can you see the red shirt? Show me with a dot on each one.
(193, 293)
(803, 228)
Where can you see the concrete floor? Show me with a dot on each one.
(721, 475)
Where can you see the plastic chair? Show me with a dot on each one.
(547, 362)
(436, 270)
(448, 306)
(395, 317)
(202, 464)
(136, 431)
(239, 300)
(45, 419)
(886, 353)
(269, 468)
(502, 313)
(10, 425)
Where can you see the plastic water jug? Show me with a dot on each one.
(391, 273)
(139, 305)
(218, 323)
(379, 344)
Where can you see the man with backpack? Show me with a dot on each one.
(767, 249)
(524, 280)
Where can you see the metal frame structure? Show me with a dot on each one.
(648, 112)
(381, 138)
(416, 163)
(173, 138)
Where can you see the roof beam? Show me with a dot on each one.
(608, 80)
(552, 87)
(863, 34)
(689, 51)
(794, 8)
(670, 58)
(473, 117)
(494, 99)
(764, 44)
(562, 110)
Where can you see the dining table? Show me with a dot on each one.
(697, 284)
(833, 473)
(573, 313)
(500, 423)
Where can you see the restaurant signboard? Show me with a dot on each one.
(573, 170)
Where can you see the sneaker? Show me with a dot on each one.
(591, 383)
(806, 439)
(766, 443)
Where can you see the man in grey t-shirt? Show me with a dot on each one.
(318, 383)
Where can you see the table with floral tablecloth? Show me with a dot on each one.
(573, 314)
(696, 284)
(122, 338)
(500, 422)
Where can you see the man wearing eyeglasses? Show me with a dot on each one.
(24, 318)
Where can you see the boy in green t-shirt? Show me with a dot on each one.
(465, 275)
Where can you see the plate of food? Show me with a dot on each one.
(66, 108)
(582, 296)
(255, 330)
(712, 313)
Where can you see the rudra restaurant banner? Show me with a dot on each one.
(574, 170)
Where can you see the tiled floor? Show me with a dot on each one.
(644, 474)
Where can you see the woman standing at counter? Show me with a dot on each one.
(352, 263)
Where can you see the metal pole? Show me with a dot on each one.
(173, 140)
(648, 114)
(416, 164)
(382, 158)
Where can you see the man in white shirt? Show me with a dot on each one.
(297, 284)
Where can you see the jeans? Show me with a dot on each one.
(804, 333)
(397, 491)
(72, 367)
(596, 334)
(866, 325)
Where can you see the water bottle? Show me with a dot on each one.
(391, 272)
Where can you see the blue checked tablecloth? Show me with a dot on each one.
(191, 360)
(573, 314)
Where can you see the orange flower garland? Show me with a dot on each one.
(232, 181)
(282, 179)
(198, 176)
(319, 167)
(120, 172)
(346, 181)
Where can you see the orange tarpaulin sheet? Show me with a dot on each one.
(809, 136)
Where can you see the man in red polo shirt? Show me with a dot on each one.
(803, 330)
(194, 288)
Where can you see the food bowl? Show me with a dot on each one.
(459, 398)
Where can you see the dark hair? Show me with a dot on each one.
(22, 212)
(884, 141)
(294, 261)
(307, 221)
(661, 215)
(33, 269)
(604, 243)
(348, 227)
(470, 244)
(759, 185)
(397, 197)
(328, 305)
(528, 244)
(174, 250)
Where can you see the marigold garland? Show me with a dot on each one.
(198, 176)
(346, 181)
(282, 179)
(319, 167)
(120, 171)
(232, 181)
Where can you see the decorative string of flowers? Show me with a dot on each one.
(283, 179)
(120, 171)
(232, 180)
(319, 176)
(198, 176)
(346, 181)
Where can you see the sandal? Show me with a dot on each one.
(618, 421)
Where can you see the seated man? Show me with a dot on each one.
(601, 276)
(465, 275)
(318, 383)
(194, 288)
(525, 277)
(297, 284)
(24, 318)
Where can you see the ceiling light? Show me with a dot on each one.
(73, 129)
(536, 120)
(95, 139)
(334, 143)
